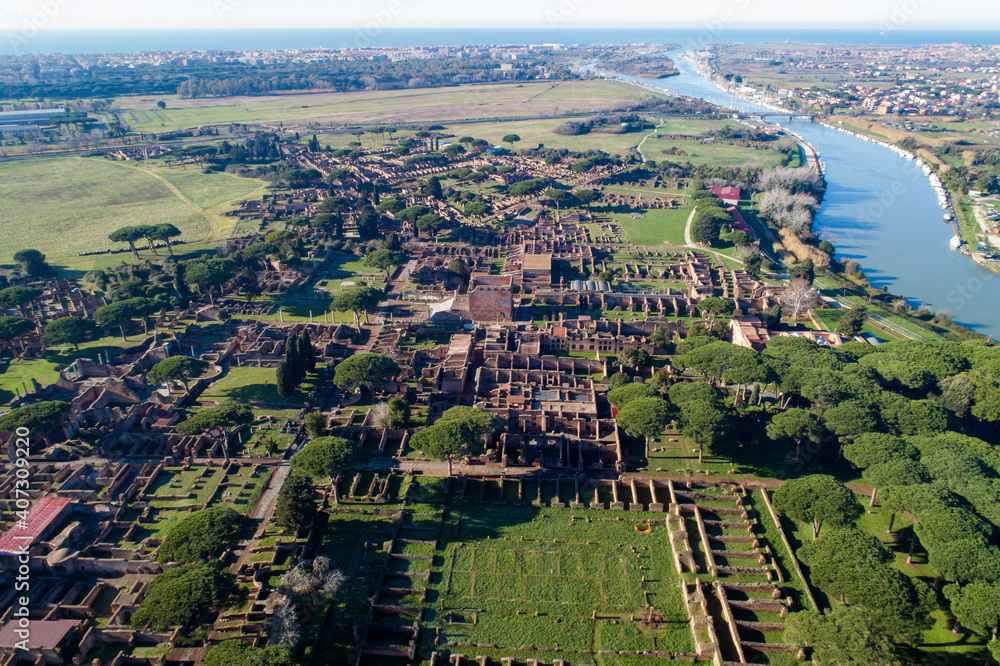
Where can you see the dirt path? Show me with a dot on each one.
(639, 147)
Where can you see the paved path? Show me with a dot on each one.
(688, 242)
(267, 501)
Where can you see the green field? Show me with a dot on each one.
(389, 106)
(714, 154)
(63, 206)
(658, 227)
(568, 579)
(248, 384)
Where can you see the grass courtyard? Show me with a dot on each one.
(572, 580)
(257, 385)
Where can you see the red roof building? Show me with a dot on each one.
(42, 517)
(729, 194)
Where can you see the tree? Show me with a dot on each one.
(294, 360)
(39, 417)
(176, 369)
(511, 139)
(645, 417)
(295, 507)
(856, 566)
(795, 424)
(228, 416)
(819, 499)
(899, 472)
(121, 313)
(315, 423)
(476, 209)
(208, 274)
(306, 350)
(977, 607)
(284, 379)
(13, 297)
(185, 592)
(843, 636)
(446, 439)
(31, 263)
(633, 357)
(364, 370)
(797, 296)
(14, 327)
(204, 535)
(587, 197)
(236, 652)
(804, 270)
(703, 413)
(851, 321)
(478, 178)
(326, 457)
(358, 300)
(163, 232)
(706, 229)
(738, 238)
(620, 397)
(850, 419)
(128, 235)
(662, 337)
(874, 448)
(432, 188)
(479, 422)
(618, 380)
(399, 413)
(384, 260)
(67, 330)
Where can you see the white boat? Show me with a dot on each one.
(956, 242)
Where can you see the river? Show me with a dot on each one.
(880, 211)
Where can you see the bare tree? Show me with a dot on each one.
(378, 416)
(798, 296)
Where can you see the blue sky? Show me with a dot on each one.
(221, 14)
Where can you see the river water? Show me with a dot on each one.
(880, 211)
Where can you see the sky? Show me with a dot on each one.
(242, 14)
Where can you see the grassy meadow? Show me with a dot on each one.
(63, 206)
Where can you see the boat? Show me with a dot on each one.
(956, 242)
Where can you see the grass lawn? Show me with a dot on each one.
(208, 190)
(256, 385)
(65, 205)
(556, 578)
(715, 154)
(46, 370)
(656, 227)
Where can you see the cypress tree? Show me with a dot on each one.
(308, 353)
(293, 359)
(286, 384)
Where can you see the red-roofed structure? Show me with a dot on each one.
(729, 194)
(48, 637)
(739, 224)
(45, 513)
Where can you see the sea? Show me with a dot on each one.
(45, 41)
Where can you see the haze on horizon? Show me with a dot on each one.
(290, 14)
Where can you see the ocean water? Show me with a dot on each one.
(134, 41)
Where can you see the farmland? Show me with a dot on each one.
(391, 106)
